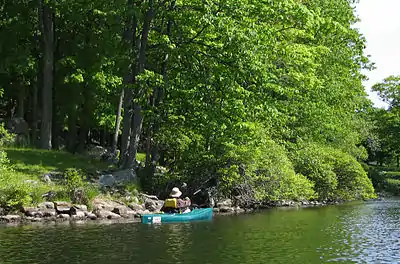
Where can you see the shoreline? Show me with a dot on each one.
(112, 212)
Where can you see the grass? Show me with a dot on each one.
(29, 166)
(34, 163)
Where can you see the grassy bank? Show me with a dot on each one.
(22, 171)
(385, 179)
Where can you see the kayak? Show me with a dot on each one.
(195, 214)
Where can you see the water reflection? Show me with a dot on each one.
(353, 233)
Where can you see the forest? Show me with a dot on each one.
(264, 97)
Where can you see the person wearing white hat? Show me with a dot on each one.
(175, 204)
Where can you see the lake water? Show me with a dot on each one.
(353, 233)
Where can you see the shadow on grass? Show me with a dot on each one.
(36, 162)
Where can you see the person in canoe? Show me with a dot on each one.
(175, 205)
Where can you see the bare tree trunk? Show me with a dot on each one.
(21, 102)
(130, 37)
(118, 122)
(84, 119)
(159, 95)
(137, 124)
(48, 62)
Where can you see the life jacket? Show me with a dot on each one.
(171, 203)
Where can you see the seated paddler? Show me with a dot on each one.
(174, 204)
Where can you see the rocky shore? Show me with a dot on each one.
(113, 211)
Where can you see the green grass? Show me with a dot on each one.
(34, 163)
(141, 157)
(29, 165)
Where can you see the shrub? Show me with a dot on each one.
(392, 186)
(13, 192)
(337, 175)
(268, 171)
(77, 189)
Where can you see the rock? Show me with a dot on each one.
(130, 213)
(34, 219)
(30, 211)
(64, 216)
(120, 210)
(78, 208)
(112, 215)
(226, 209)
(10, 218)
(78, 215)
(105, 205)
(46, 178)
(224, 203)
(90, 215)
(107, 180)
(153, 205)
(106, 214)
(216, 210)
(46, 205)
(31, 182)
(128, 175)
(136, 207)
(62, 207)
(47, 212)
(239, 210)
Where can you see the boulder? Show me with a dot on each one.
(46, 205)
(10, 218)
(107, 180)
(136, 207)
(226, 209)
(120, 210)
(46, 178)
(78, 215)
(64, 216)
(105, 204)
(239, 210)
(90, 215)
(78, 208)
(47, 212)
(153, 205)
(106, 214)
(224, 203)
(62, 207)
(216, 210)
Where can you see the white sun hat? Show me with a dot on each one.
(175, 193)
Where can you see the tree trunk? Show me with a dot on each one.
(159, 94)
(118, 122)
(136, 128)
(21, 102)
(48, 62)
(130, 37)
(85, 118)
(34, 111)
(72, 128)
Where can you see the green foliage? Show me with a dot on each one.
(336, 174)
(206, 76)
(13, 192)
(6, 138)
(392, 186)
(78, 189)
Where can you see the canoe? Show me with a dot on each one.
(194, 215)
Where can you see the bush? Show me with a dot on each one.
(336, 174)
(392, 186)
(13, 192)
(267, 170)
(78, 190)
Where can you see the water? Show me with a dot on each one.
(353, 233)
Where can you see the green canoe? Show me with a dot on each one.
(196, 214)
